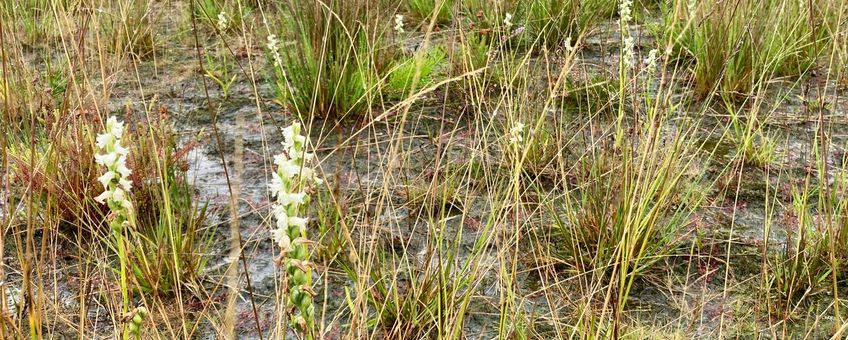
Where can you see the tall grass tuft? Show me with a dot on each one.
(738, 45)
(169, 243)
(330, 56)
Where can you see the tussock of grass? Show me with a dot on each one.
(737, 45)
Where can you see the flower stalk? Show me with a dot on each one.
(289, 184)
(116, 189)
(626, 63)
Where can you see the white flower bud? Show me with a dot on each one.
(291, 198)
(399, 23)
(106, 160)
(115, 127)
(299, 222)
(277, 186)
(282, 238)
(516, 133)
(105, 140)
(223, 22)
(102, 198)
(121, 168)
(286, 167)
(106, 179)
(125, 184)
